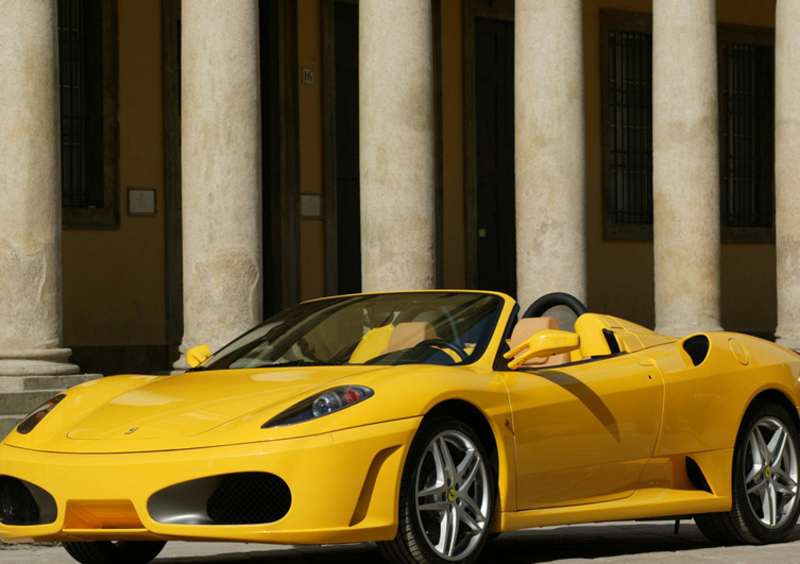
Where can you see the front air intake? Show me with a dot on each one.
(22, 503)
(246, 498)
(697, 348)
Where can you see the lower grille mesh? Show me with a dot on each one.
(249, 498)
(17, 505)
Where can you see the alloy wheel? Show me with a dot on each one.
(452, 495)
(771, 472)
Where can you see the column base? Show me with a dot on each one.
(180, 366)
(36, 362)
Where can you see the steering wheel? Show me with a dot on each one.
(442, 343)
(554, 299)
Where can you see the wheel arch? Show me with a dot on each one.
(500, 454)
(471, 415)
(777, 397)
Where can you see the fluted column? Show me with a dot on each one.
(549, 149)
(30, 185)
(685, 166)
(221, 164)
(396, 130)
(787, 171)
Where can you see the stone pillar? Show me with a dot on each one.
(549, 149)
(685, 167)
(398, 222)
(221, 164)
(787, 171)
(30, 184)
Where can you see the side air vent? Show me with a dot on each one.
(22, 503)
(696, 476)
(247, 498)
(697, 348)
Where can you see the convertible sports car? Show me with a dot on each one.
(424, 421)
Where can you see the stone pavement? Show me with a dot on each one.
(645, 542)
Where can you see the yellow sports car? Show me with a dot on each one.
(424, 421)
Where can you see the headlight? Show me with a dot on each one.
(38, 414)
(320, 405)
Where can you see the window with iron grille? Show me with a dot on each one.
(631, 124)
(627, 93)
(746, 134)
(89, 135)
(746, 108)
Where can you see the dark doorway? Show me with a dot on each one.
(494, 155)
(279, 146)
(348, 219)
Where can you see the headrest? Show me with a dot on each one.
(406, 335)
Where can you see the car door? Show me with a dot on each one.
(583, 432)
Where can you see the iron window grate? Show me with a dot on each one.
(631, 123)
(81, 98)
(746, 153)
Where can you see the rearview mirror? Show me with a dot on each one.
(197, 355)
(543, 343)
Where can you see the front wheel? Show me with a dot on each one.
(119, 552)
(766, 472)
(447, 497)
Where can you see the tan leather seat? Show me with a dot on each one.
(525, 328)
(406, 335)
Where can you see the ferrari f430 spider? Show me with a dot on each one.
(423, 421)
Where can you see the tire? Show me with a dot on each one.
(766, 473)
(121, 552)
(447, 497)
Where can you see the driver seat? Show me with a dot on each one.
(525, 329)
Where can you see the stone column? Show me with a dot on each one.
(221, 164)
(685, 167)
(787, 171)
(30, 185)
(549, 149)
(396, 145)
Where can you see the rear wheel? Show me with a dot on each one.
(116, 552)
(766, 472)
(446, 497)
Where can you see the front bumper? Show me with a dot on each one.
(344, 485)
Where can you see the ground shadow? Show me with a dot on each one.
(553, 544)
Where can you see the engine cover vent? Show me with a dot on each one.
(697, 348)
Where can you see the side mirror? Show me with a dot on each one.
(543, 343)
(197, 355)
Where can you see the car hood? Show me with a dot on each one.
(135, 413)
(195, 402)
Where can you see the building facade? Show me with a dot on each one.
(172, 171)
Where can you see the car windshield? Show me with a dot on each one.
(380, 329)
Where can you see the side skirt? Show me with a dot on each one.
(665, 491)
